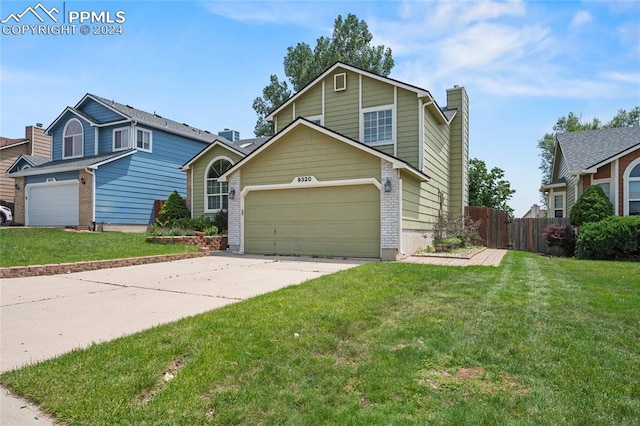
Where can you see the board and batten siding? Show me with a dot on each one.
(99, 112)
(198, 174)
(127, 188)
(57, 137)
(306, 152)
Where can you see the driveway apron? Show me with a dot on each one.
(43, 317)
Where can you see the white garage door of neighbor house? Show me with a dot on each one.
(331, 221)
(52, 204)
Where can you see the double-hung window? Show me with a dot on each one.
(633, 192)
(143, 139)
(558, 205)
(120, 138)
(378, 125)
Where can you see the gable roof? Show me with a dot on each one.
(242, 148)
(421, 93)
(59, 166)
(9, 143)
(587, 150)
(31, 160)
(300, 121)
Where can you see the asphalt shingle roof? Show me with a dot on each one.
(70, 164)
(583, 150)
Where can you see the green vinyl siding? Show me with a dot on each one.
(307, 152)
(342, 108)
(199, 170)
(376, 93)
(328, 221)
(310, 104)
(459, 150)
(436, 161)
(408, 126)
(284, 118)
(420, 204)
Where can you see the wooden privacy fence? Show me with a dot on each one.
(526, 234)
(494, 225)
(497, 230)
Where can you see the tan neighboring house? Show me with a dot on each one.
(360, 165)
(609, 158)
(34, 144)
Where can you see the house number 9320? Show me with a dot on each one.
(304, 179)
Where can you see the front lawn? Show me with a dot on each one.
(536, 341)
(42, 246)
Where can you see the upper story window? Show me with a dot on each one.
(144, 139)
(120, 138)
(378, 126)
(316, 119)
(217, 193)
(73, 139)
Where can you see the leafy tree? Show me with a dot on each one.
(350, 43)
(592, 206)
(488, 187)
(172, 209)
(572, 123)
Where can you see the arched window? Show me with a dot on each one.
(217, 193)
(73, 139)
(632, 184)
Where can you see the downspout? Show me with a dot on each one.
(93, 197)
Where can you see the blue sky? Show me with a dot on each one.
(523, 64)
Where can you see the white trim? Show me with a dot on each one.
(323, 99)
(113, 138)
(319, 184)
(394, 127)
(64, 133)
(96, 144)
(205, 207)
(552, 203)
(615, 165)
(381, 108)
(626, 178)
(137, 129)
(397, 163)
(604, 180)
(335, 82)
(216, 142)
(293, 111)
(72, 111)
(419, 92)
(399, 216)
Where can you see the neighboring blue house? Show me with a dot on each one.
(110, 162)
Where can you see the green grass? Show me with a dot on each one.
(42, 246)
(536, 341)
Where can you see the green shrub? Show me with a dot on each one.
(210, 231)
(174, 208)
(221, 221)
(563, 236)
(592, 206)
(614, 238)
(461, 227)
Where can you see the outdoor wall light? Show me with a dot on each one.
(82, 181)
(232, 193)
(387, 185)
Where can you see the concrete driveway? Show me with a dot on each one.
(43, 317)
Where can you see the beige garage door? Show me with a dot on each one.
(333, 221)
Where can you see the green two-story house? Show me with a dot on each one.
(360, 165)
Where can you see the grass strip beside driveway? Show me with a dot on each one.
(535, 341)
(44, 246)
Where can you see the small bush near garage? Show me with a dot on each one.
(614, 238)
(592, 206)
(462, 228)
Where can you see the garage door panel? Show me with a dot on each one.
(54, 204)
(331, 221)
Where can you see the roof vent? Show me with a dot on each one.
(129, 106)
(185, 124)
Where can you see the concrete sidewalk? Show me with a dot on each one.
(46, 316)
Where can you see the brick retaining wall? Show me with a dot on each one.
(212, 242)
(66, 268)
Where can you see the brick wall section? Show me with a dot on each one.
(235, 212)
(389, 212)
(67, 268)
(207, 243)
(85, 193)
(623, 163)
(18, 207)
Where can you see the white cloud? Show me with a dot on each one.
(272, 12)
(581, 18)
